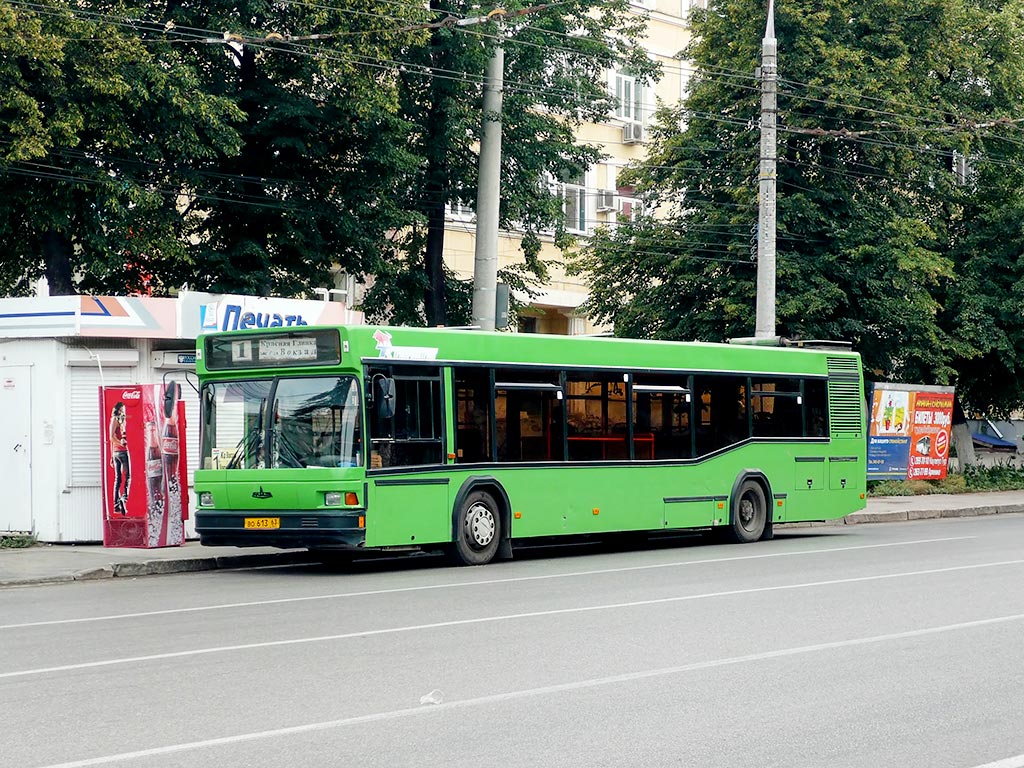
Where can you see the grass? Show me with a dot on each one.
(17, 541)
(1001, 477)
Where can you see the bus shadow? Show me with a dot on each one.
(561, 549)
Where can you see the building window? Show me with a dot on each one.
(528, 325)
(628, 98)
(460, 211)
(629, 208)
(574, 194)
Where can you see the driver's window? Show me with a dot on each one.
(413, 435)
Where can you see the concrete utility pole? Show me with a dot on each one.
(488, 200)
(765, 318)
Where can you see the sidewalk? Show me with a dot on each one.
(45, 564)
(53, 563)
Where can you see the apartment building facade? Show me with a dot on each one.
(596, 198)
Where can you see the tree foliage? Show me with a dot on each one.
(257, 146)
(212, 143)
(885, 238)
(94, 119)
(556, 60)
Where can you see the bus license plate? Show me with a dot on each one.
(263, 522)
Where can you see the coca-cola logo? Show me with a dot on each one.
(131, 394)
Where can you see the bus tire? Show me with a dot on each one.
(477, 529)
(749, 513)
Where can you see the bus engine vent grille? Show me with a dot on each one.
(309, 522)
(844, 410)
(845, 399)
(841, 365)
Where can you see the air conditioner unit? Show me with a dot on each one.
(606, 200)
(632, 133)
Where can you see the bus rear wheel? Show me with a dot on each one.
(477, 529)
(749, 514)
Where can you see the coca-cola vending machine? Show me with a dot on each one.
(145, 480)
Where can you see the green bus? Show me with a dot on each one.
(356, 438)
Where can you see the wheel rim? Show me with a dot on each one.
(480, 526)
(748, 513)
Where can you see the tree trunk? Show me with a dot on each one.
(434, 298)
(961, 436)
(438, 147)
(246, 239)
(57, 259)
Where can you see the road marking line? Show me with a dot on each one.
(492, 619)
(1009, 762)
(481, 582)
(546, 690)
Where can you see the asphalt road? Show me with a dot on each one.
(888, 645)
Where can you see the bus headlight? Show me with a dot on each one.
(205, 499)
(332, 498)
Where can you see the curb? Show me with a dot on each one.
(263, 560)
(162, 567)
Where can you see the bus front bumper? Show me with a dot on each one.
(284, 529)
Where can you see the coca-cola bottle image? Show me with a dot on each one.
(154, 461)
(169, 444)
(169, 441)
(155, 502)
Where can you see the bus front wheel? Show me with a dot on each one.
(750, 513)
(477, 529)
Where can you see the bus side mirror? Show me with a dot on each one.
(172, 392)
(384, 396)
(207, 404)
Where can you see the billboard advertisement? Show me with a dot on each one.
(909, 433)
(142, 449)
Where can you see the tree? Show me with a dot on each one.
(556, 60)
(256, 146)
(253, 160)
(323, 165)
(93, 117)
(877, 236)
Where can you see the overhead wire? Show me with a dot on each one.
(529, 89)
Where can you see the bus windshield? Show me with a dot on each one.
(281, 423)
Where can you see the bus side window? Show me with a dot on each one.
(473, 407)
(412, 436)
(815, 408)
(596, 416)
(775, 407)
(662, 413)
(722, 404)
(529, 415)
